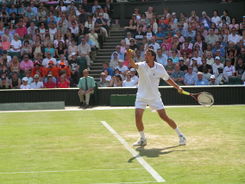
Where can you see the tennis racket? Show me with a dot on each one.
(203, 98)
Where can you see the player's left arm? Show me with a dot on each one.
(171, 82)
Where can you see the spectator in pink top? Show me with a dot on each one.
(5, 43)
(26, 63)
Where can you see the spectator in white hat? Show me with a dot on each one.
(201, 80)
(212, 80)
(36, 84)
(25, 84)
(134, 77)
(217, 64)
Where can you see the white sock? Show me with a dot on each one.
(142, 134)
(178, 132)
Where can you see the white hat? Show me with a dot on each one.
(212, 77)
(199, 73)
(120, 61)
(181, 58)
(25, 79)
(132, 69)
(217, 57)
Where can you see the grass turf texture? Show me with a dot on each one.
(75, 140)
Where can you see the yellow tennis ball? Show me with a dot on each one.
(130, 50)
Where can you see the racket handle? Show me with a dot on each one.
(185, 93)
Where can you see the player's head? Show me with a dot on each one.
(150, 55)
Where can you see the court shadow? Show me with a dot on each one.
(154, 152)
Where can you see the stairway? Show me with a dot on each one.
(104, 53)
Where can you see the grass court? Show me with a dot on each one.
(73, 147)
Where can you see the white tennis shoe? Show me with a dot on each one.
(182, 140)
(140, 142)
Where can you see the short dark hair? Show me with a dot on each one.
(152, 53)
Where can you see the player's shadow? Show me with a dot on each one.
(154, 152)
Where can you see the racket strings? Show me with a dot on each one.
(205, 99)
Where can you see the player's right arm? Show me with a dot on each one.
(131, 54)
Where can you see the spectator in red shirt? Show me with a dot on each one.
(50, 83)
(53, 69)
(38, 68)
(64, 69)
(21, 30)
(63, 82)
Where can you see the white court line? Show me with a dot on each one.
(135, 154)
(99, 108)
(128, 182)
(67, 171)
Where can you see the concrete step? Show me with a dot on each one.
(102, 57)
(117, 41)
(114, 25)
(92, 68)
(105, 53)
(115, 37)
(117, 27)
(109, 47)
(111, 43)
(97, 71)
(95, 75)
(106, 50)
(119, 33)
(97, 64)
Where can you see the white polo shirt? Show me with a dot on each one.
(36, 85)
(16, 45)
(149, 79)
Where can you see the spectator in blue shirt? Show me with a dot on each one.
(12, 9)
(109, 69)
(189, 33)
(219, 48)
(201, 80)
(190, 77)
(159, 35)
(161, 57)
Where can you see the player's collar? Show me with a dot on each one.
(153, 67)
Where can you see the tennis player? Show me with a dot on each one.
(150, 73)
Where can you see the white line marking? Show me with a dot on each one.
(135, 154)
(67, 171)
(128, 182)
(99, 108)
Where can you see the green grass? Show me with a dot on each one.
(76, 140)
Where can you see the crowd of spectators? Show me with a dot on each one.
(47, 44)
(195, 49)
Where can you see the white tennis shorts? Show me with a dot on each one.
(154, 104)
